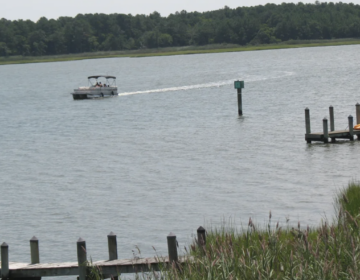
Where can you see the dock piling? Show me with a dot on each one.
(307, 121)
(239, 97)
(307, 124)
(358, 117)
(112, 245)
(34, 250)
(332, 122)
(172, 248)
(82, 259)
(201, 237)
(325, 130)
(4, 261)
(351, 127)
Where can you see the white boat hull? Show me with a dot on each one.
(94, 92)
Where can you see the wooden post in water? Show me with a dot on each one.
(81, 256)
(325, 130)
(34, 253)
(34, 250)
(358, 116)
(239, 97)
(351, 127)
(4, 261)
(201, 237)
(307, 123)
(239, 85)
(172, 248)
(112, 246)
(332, 122)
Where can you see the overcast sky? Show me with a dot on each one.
(34, 9)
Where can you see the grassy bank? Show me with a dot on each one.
(330, 251)
(215, 48)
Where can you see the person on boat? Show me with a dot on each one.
(100, 85)
(97, 84)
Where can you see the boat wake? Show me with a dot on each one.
(250, 78)
(199, 86)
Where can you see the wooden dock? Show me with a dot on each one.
(332, 134)
(111, 268)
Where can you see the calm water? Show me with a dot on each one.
(170, 153)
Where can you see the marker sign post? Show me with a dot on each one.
(239, 85)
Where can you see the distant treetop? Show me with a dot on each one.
(266, 24)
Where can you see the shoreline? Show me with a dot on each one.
(215, 48)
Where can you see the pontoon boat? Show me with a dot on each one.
(96, 89)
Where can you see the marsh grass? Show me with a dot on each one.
(330, 251)
(213, 48)
(349, 199)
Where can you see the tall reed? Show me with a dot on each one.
(330, 251)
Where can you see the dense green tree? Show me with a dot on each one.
(38, 42)
(265, 35)
(266, 24)
(56, 43)
(4, 50)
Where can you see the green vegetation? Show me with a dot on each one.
(348, 200)
(327, 252)
(215, 48)
(331, 251)
(243, 26)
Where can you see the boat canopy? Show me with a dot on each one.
(101, 76)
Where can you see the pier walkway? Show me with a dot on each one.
(332, 134)
(111, 268)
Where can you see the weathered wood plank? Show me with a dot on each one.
(43, 272)
(43, 265)
(341, 134)
(110, 267)
(14, 265)
(334, 132)
(314, 135)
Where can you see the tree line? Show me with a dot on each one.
(266, 24)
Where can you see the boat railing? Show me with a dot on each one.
(96, 88)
